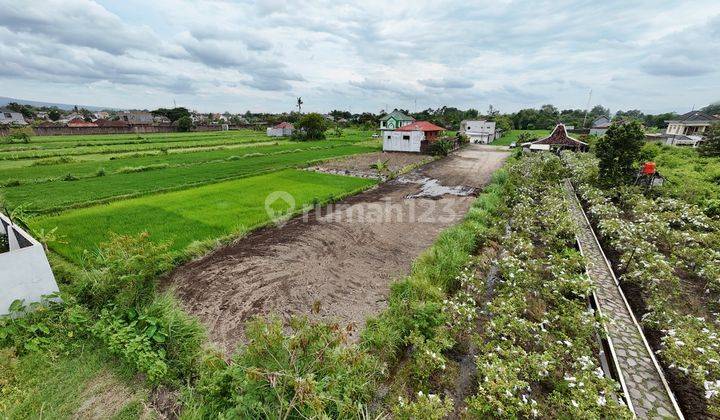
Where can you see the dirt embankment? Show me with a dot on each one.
(340, 260)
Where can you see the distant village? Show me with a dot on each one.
(400, 130)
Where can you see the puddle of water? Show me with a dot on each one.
(431, 188)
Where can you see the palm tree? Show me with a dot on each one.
(299, 104)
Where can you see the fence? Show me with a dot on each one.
(129, 129)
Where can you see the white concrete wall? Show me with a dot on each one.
(478, 131)
(278, 132)
(24, 273)
(402, 141)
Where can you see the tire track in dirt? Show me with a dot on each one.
(344, 258)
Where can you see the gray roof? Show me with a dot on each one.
(695, 116)
(398, 116)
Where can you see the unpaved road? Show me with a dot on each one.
(342, 260)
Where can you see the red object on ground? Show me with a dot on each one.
(649, 168)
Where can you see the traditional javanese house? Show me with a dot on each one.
(557, 141)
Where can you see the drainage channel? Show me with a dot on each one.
(641, 378)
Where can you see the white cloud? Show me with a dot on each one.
(227, 55)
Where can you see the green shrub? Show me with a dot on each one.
(442, 148)
(100, 172)
(123, 271)
(159, 339)
(12, 183)
(184, 124)
(310, 373)
(53, 161)
(133, 169)
(124, 339)
(426, 407)
(47, 325)
(69, 177)
(19, 135)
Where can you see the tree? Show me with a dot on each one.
(299, 104)
(618, 151)
(711, 145)
(54, 114)
(712, 109)
(184, 124)
(173, 114)
(311, 127)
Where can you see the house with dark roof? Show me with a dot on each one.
(283, 129)
(10, 117)
(557, 141)
(689, 129)
(416, 136)
(600, 126)
(394, 120)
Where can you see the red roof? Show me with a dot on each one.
(284, 125)
(110, 123)
(420, 126)
(79, 122)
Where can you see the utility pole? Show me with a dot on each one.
(587, 108)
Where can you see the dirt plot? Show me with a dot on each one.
(359, 165)
(340, 260)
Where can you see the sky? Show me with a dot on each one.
(216, 56)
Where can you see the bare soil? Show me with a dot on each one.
(359, 165)
(335, 264)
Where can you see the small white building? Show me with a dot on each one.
(415, 137)
(10, 117)
(24, 268)
(284, 129)
(479, 131)
(600, 126)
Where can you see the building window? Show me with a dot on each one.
(406, 137)
(8, 115)
(389, 136)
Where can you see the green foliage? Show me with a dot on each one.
(442, 147)
(19, 135)
(133, 169)
(40, 326)
(310, 127)
(184, 124)
(426, 406)
(711, 146)
(519, 136)
(159, 339)
(123, 272)
(173, 114)
(310, 373)
(125, 339)
(618, 152)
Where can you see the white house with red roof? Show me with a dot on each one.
(284, 129)
(414, 137)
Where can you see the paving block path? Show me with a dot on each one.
(647, 390)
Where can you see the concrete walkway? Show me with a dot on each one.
(647, 391)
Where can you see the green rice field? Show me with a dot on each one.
(512, 136)
(179, 187)
(195, 214)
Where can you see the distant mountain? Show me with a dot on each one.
(4, 101)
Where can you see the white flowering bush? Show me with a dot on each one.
(537, 354)
(425, 407)
(667, 247)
